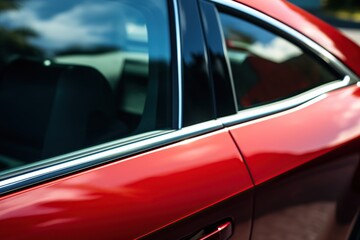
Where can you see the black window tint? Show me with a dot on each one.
(197, 100)
(266, 67)
(79, 73)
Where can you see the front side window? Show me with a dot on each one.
(74, 74)
(266, 67)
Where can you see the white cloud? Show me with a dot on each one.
(136, 32)
(63, 29)
(278, 50)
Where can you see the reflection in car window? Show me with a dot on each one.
(79, 73)
(267, 67)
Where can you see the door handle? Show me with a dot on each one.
(222, 232)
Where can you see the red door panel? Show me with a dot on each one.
(305, 165)
(278, 143)
(235, 210)
(132, 197)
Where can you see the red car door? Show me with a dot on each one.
(305, 163)
(297, 126)
(201, 182)
(111, 134)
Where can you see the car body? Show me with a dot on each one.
(179, 119)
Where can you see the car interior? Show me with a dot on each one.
(81, 95)
(49, 110)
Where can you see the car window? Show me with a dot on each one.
(74, 74)
(266, 67)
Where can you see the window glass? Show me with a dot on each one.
(266, 67)
(74, 74)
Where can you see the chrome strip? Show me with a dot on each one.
(100, 157)
(43, 163)
(264, 110)
(261, 111)
(323, 53)
(179, 63)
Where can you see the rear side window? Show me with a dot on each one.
(74, 74)
(266, 67)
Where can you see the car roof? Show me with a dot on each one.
(327, 36)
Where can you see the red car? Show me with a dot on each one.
(176, 119)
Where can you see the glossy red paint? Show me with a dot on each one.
(318, 200)
(237, 210)
(325, 35)
(132, 197)
(276, 144)
(305, 165)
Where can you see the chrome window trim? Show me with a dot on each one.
(179, 64)
(286, 104)
(43, 163)
(96, 158)
(291, 102)
(307, 42)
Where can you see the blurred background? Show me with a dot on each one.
(343, 14)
